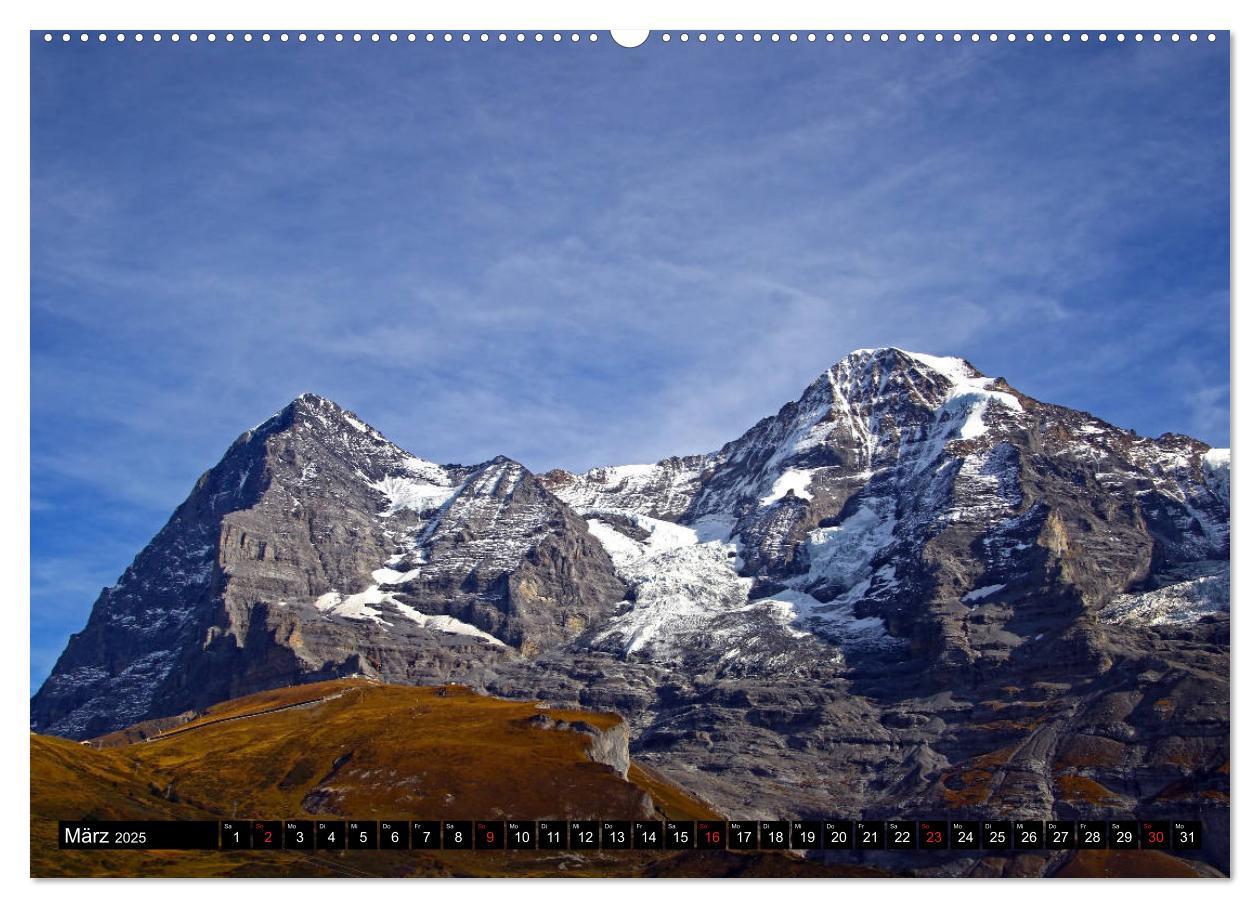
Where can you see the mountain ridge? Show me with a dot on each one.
(762, 483)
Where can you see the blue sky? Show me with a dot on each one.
(583, 254)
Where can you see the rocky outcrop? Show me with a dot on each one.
(609, 745)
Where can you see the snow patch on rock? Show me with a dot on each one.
(983, 592)
(794, 481)
(387, 576)
(423, 488)
(1182, 602)
(446, 624)
(357, 607)
(360, 607)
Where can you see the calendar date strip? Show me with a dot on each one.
(638, 835)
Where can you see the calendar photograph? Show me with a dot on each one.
(723, 453)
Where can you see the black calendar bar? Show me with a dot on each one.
(670, 835)
(152, 834)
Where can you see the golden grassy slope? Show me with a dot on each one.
(367, 751)
(384, 751)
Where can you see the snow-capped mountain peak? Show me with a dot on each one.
(838, 496)
(898, 498)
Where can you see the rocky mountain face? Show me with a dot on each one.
(913, 589)
(317, 549)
